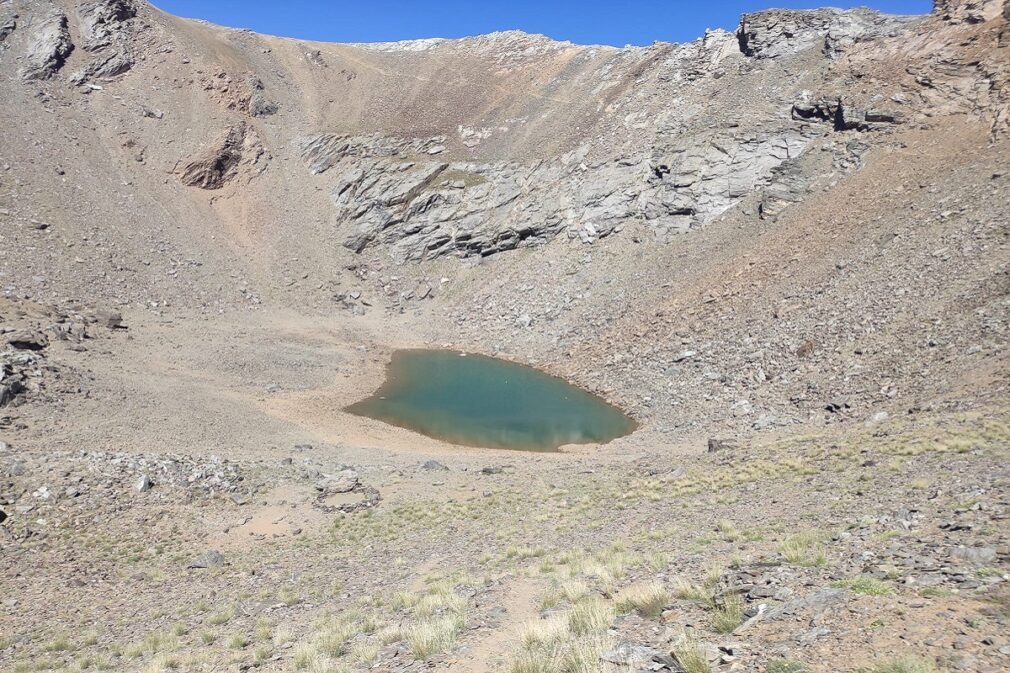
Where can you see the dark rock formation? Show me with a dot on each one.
(222, 162)
(259, 104)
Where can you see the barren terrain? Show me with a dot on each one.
(785, 251)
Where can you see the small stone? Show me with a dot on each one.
(110, 319)
(875, 418)
(837, 405)
(433, 466)
(144, 484)
(208, 559)
(721, 445)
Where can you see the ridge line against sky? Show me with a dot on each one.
(638, 22)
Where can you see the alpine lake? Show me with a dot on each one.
(480, 401)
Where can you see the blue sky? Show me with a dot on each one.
(616, 22)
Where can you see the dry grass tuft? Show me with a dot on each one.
(686, 590)
(691, 656)
(729, 614)
(902, 665)
(647, 600)
(804, 549)
(434, 635)
(590, 616)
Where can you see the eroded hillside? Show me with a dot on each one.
(791, 240)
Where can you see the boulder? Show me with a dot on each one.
(27, 339)
(637, 657)
(836, 405)
(110, 319)
(342, 482)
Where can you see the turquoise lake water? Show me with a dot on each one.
(476, 400)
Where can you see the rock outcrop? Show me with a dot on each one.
(967, 11)
(48, 48)
(105, 32)
(776, 33)
(666, 165)
(259, 105)
(7, 26)
(237, 149)
(425, 208)
(101, 22)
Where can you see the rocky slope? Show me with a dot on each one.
(321, 175)
(791, 239)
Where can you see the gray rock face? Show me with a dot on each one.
(426, 208)
(968, 11)
(668, 158)
(104, 31)
(48, 47)
(776, 33)
(7, 26)
(101, 21)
